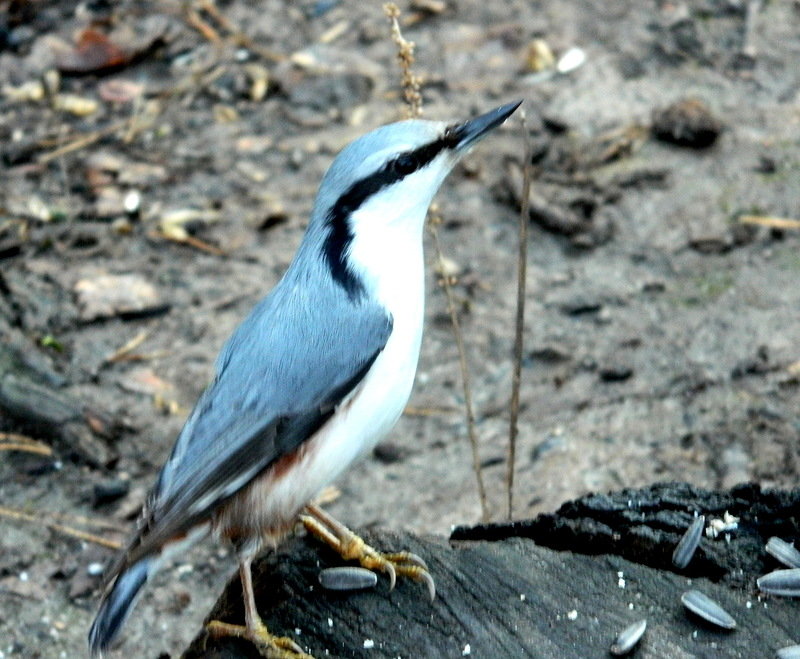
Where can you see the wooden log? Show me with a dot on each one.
(500, 594)
(31, 400)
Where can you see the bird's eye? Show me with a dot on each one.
(404, 164)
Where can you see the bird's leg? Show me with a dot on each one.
(350, 547)
(254, 629)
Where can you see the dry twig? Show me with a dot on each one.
(429, 411)
(81, 142)
(771, 222)
(433, 221)
(522, 268)
(122, 353)
(191, 241)
(18, 515)
(196, 21)
(10, 441)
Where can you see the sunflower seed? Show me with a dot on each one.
(785, 583)
(784, 552)
(347, 578)
(688, 543)
(707, 609)
(628, 638)
(790, 652)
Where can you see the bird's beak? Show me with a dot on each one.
(472, 131)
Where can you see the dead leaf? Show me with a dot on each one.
(144, 381)
(94, 51)
(104, 296)
(120, 90)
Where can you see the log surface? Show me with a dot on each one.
(500, 594)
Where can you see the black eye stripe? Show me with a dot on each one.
(405, 164)
(340, 234)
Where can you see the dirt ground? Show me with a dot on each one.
(662, 333)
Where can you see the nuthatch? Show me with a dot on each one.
(314, 377)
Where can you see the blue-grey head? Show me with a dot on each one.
(380, 186)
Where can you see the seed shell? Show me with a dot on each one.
(628, 638)
(688, 543)
(789, 652)
(347, 578)
(784, 583)
(785, 552)
(703, 606)
(571, 60)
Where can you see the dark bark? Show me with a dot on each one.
(507, 596)
(31, 401)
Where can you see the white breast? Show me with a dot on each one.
(389, 259)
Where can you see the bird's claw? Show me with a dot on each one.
(404, 563)
(269, 646)
(351, 547)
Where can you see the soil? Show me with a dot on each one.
(661, 331)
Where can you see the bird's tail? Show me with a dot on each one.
(118, 602)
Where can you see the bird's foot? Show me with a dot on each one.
(271, 647)
(351, 547)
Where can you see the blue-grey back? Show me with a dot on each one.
(290, 357)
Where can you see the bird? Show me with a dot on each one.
(313, 378)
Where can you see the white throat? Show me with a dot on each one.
(386, 250)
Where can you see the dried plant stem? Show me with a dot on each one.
(771, 222)
(405, 56)
(522, 269)
(121, 353)
(10, 441)
(82, 142)
(26, 448)
(462, 359)
(60, 528)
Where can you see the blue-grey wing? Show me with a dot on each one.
(279, 378)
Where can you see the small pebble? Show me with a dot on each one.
(132, 202)
(688, 122)
(571, 60)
